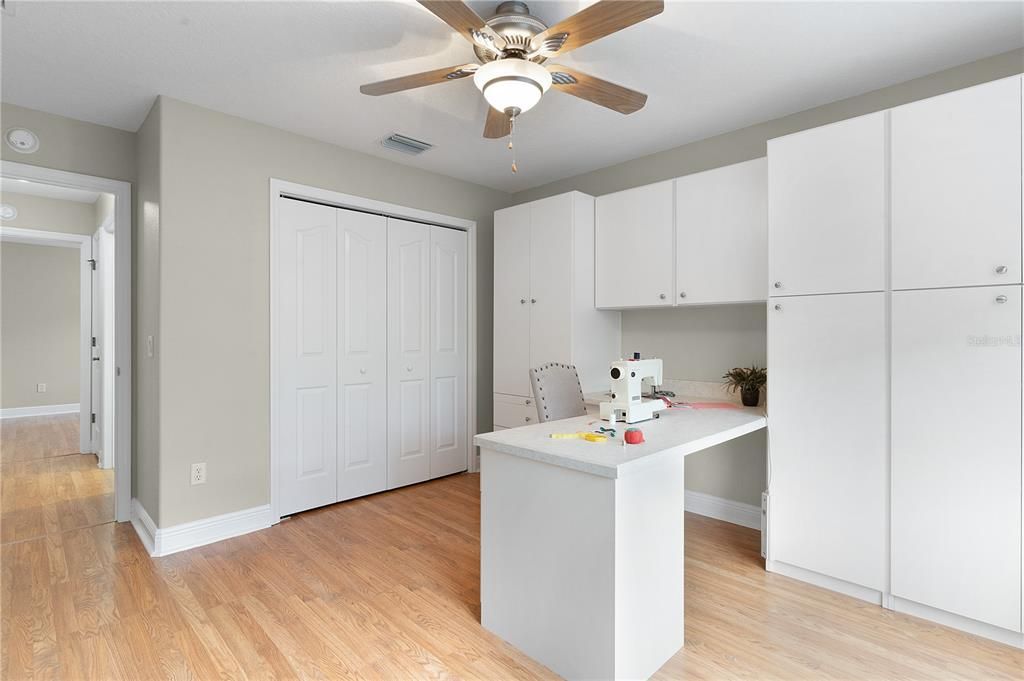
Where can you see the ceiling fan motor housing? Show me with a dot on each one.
(513, 22)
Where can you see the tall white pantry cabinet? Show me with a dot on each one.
(544, 302)
(371, 353)
(894, 334)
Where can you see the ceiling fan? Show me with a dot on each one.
(513, 47)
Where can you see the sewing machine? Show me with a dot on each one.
(628, 403)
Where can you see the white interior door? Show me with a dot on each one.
(551, 223)
(408, 315)
(956, 188)
(308, 459)
(96, 354)
(827, 209)
(449, 451)
(956, 451)
(512, 300)
(362, 350)
(828, 432)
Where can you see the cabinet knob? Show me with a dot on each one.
(528, 402)
(527, 419)
(522, 301)
(1001, 269)
(778, 284)
(408, 368)
(1001, 299)
(533, 300)
(662, 296)
(363, 370)
(682, 294)
(778, 308)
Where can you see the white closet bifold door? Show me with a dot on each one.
(408, 315)
(448, 352)
(308, 465)
(362, 349)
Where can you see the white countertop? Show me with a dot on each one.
(679, 431)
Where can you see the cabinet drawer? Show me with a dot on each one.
(511, 411)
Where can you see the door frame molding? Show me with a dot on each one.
(122, 192)
(284, 189)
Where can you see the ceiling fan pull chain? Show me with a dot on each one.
(511, 139)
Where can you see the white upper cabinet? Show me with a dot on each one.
(956, 188)
(551, 222)
(634, 243)
(722, 234)
(956, 451)
(827, 209)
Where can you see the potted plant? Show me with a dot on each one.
(749, 381)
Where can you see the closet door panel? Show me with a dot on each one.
(448, 352)
(408, 314)
(512, 300)
(956, 451)
(956, 188)
(362, 343)
(307, 465)
(551, 222)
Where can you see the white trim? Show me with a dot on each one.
(948, 619)
(122, 191)
(163, 542)
(857, 591)
(42, 237)
(735, 512)
(283, 188)
(41, 410)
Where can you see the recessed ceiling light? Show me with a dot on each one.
(7, 211)
(22, 140)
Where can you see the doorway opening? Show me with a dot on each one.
(65, 348)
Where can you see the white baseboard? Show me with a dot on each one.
(857, 591)
(735, 512)
(41, 410)
(948, 619)
(165, 541)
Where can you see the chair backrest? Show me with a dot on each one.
(557, 391)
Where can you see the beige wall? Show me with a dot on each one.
(146, 316)
(39, 324)
(51, 215)
(701, 343)
(214, 349)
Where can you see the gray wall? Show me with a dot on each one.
(214, 342)
(39, 325)
(51, 215)
(701, 343)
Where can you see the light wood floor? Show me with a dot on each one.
(387, 587)
(47, 487)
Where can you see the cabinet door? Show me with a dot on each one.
(449, 355)
(408, 352)
(551, 252)
(722, 234)
(362, 354)
(307, 371)
(635, 247)
(512, 300)
(956, 188)
(827, 427)
(826, 209)
(956, 451)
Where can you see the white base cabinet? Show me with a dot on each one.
(544, 307)
(828, 422)
(956, 451)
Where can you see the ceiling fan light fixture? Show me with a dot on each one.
(512, 85)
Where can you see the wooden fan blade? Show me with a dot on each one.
(498, 124)
(385, 87)
(600, 19)
(468, 23)
(596, 90)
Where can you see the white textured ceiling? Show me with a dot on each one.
(50, 191)
(708, 68)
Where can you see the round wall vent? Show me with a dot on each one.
(7, 211)
(22, 140)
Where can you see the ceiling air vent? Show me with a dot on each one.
(406, 145)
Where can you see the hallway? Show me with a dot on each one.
(48, 487)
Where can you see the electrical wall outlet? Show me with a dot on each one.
(198, 474)
(40, 387)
